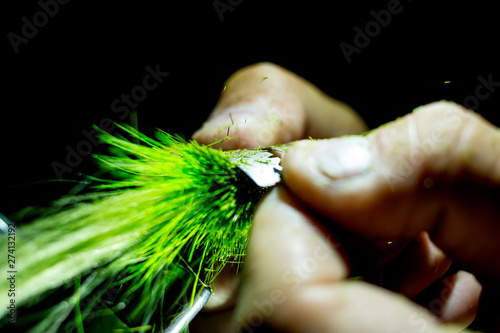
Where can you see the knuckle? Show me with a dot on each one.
(455, 137)
(443, 121)
(436, 112)
(430, 136)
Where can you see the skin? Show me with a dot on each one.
(399, 205)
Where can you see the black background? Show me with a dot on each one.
(66, 77)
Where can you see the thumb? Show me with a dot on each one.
(435, 170)
(294, 280)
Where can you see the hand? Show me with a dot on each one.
(295, 272)
(434, 171)
(264, 105)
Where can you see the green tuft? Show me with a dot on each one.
(161, 228)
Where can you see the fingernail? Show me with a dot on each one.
(342, 157)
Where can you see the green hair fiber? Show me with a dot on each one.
(138, 246)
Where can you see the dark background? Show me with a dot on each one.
(66, 77)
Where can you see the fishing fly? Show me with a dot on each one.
(146, 240)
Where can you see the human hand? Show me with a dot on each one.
(293, 275)
(264, 105)
(434, 172)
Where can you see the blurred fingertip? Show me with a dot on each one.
(245, 128)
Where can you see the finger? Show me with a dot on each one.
(454, 298)
(435, 170)
(285, 251)
(264, 105)
(418, 266)
(293, 281)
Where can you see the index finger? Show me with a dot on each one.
(264, 104)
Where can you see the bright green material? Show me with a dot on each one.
(164, 224)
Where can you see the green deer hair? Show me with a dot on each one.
(143, 242)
